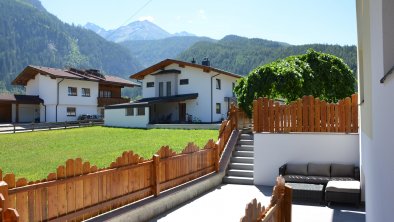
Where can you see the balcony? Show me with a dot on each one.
(104, 101)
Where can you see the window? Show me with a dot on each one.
(71, 111)
(105, 94)
(233, 89)
(141, 111)
(129, 111)
(168, 88)
(218, 108)
(72, 91)
(86, 92)
(161, 90)
(184, 82)
(218, 84)
(150, 84)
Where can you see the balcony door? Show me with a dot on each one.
(182, 112)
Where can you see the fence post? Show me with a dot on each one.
(4, 192)
(11, 215)
(156, 175)
(14, 126)
(65, 125)
(217, 156)
(287, 203)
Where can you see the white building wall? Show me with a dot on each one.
(272, 150)
(219, 95)
(47, 89)
(65, 99)
(33, 86)
(80, 109)
(28, 112)
(118, 118)
(375, 33)
(148, 92)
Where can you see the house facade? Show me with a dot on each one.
(177, 92)
(63, 94)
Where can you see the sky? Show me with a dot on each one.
(292, 21)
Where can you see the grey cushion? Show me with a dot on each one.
(295, 179)
(342, 170)
(318, 169)
(343, 186)
(343, 179)
(296, 169)
(318, 179)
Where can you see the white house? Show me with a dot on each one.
(177, 92)
(375, 29)
(55, 95)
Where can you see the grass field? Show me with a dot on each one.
(34, 155)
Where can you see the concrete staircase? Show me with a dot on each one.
(240, 169)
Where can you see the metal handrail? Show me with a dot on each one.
(387, 74)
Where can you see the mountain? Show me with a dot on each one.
(241, 55)
(31, 35)
(138, 30)
(149, 52)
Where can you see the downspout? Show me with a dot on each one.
(212, 97)
(57, 102)
(45, 112)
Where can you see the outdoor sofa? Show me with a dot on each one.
(323, 183)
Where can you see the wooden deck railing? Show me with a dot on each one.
(279, 209)
(306, 115)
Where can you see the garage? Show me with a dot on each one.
(19, 108)
(5, 112)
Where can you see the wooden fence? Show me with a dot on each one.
(30, 127)
(306, 115)
(279, 209)
(78, 191)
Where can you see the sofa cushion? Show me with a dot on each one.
(343, 179)
(342, 170)
(318, 169)
(296, 169)
(295, 179)
(343, 186)
(318, 179)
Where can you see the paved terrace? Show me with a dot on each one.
(227, 203)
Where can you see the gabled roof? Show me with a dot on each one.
(23, 99)
(167, 62)
(31, 71)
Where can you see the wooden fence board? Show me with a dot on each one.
(10, 180)
(354, 113)
(52, 198)
(62, 191)
(21, 201)
(311, 113)
(317, 115)
(70, 171)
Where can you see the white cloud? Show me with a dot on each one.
(146, 17)
(201, 14)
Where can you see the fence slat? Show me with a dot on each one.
(354, 113)
(21, 201)
(318, 117)
(78, 187)
(70, 172)
(311, 114)
(10, 180)
(52, 198)
(61, 191)
(348, 115)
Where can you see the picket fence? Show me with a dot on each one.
(78, 190)
(306, 115)
(279, 209)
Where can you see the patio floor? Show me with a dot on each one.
(227, 203)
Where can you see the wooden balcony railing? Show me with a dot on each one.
(103, 101)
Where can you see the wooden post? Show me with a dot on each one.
(156, 175)
(4, 192)
(32, 126)
(11, 215)
(65, 125)
(14, 126)
(17, 113)
(287, 203)
(217, 157)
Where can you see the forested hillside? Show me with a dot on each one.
(240, 55)
(31, 35)
(149, 52)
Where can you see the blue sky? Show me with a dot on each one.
(292, 21)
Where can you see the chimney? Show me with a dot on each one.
(206, 62)
(193, 61)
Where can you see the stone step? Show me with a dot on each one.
(244, 148)
(240, 173)
(246, 136)
(235, 159)
(243, 154)
(245, 142)
(243, 145)
(241, 166)
(238, 180)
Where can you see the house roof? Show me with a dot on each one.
(23, 99)
(154, 100)
(88, 75)
(161, 65)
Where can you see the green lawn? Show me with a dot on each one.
(34, 155)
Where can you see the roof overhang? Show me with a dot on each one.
(154, 100)
(163, 64)
(20, 99)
